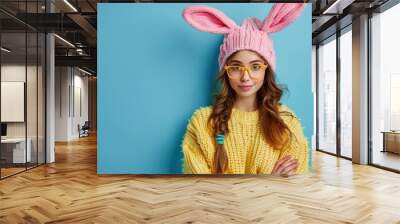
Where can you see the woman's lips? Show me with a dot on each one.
(246, 87)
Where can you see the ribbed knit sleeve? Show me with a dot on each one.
(194, 157)
(298, 145)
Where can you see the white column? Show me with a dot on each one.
(360, 90)
(50, 92)
(314, 91)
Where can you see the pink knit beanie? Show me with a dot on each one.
(253, 34)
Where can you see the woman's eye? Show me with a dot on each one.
(236, 68)
(255, 67)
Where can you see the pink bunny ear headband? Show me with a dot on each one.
(251, 35)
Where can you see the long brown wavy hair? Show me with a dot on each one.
(275, 131)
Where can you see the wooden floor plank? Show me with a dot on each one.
(70, 191)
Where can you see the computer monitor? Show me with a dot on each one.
(3, 129)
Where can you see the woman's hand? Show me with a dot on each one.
(285, 166)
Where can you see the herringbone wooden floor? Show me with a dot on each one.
(70, 191)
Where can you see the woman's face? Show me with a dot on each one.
(245, 85)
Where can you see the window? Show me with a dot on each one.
(346, 92)
(327, 95)
(385, 89)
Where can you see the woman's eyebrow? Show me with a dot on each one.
(236, 61)
(256, 61)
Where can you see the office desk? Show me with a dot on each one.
(13, 150)
(391, 141)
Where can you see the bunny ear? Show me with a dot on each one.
(281, 15)
(208, 19)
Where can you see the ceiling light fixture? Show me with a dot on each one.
(70, 5)
(84, 71)
(65, 41)
(337, 7)
(5, 49)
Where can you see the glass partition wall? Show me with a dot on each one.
(334, 90)
(22, 92)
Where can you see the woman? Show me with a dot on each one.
(247, 130)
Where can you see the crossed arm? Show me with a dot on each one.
(293, 159)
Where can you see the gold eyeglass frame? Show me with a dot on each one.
(242, 68)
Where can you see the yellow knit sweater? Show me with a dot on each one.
(247, 150)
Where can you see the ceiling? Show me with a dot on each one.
(76, 22)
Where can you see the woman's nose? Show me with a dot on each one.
(245, 76)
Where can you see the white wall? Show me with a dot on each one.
(81, 84)
(62, 81)
(70, 83)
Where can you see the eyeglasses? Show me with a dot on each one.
(237, 71)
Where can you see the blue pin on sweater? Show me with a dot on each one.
(220, 139)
